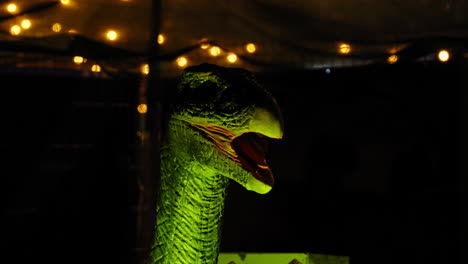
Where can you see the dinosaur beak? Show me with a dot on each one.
(267, 121)
(251, 148)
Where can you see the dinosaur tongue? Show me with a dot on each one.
(251, 149)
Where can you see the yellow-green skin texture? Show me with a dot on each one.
(211, 106)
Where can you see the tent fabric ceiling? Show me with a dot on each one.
(294, 33)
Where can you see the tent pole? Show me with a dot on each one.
(152, 90)
(463, 162)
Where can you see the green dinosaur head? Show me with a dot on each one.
(230, 116)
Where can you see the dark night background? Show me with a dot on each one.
(370, 167)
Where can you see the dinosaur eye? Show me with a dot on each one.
(205, 92)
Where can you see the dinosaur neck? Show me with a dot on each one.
(189, 211)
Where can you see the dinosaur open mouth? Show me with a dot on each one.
(251, 149)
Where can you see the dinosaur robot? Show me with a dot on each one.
(218, 125)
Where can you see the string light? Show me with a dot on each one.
(112, 35)
(78, 60)
(215, 51)
(142, 108)
(344, 48)
(96, 68)
(56, 27)
(443, 55)
(12, 8)
(182, 61)
(26, 23)
(15, 30)
(392, 59)
(232, 58)
(161, 39)
(251, 48)
(145, 69)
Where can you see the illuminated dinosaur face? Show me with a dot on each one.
(231, 117)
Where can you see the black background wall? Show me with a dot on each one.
(69, 167)
(369, 167)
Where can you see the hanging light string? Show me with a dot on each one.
(30, 10)
(124, 60)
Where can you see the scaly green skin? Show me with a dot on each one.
(197, 160)
(190, 208)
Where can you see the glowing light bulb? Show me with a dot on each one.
(96, 68)
(26, 23)
(392, 59)
(142, 108)
(78, 60)
(145, 69)
(65, 2)
(15, 30)
(204, 46)
(112, 35)
(73, 31)
(443, 55)
(56, 27)
(215, 51)
(182, 61)
(161, 39)
(251, 48)
(344, 48)
(232, 58)
(12, 8)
